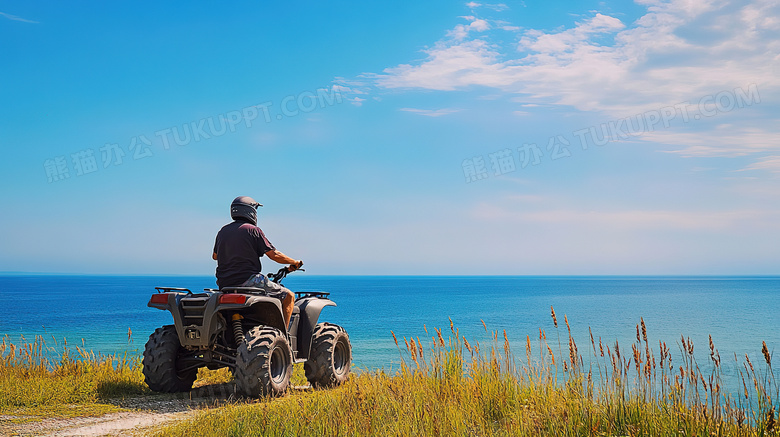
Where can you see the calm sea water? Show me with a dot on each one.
(739, 312)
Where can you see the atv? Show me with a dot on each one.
(243, 329)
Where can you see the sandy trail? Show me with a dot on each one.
(148, 412)
(116, 424)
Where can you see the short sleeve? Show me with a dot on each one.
(263, 245)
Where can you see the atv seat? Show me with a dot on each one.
(253, 290)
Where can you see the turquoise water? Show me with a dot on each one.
(739, 312)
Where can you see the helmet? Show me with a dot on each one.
(244, 208)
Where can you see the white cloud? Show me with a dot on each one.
(631, 219)
(448, 67)
(496, 6)
(16, 18)
(572, 39)
(722, 141)
(357, 101)
(347, 90)
(679, 50)
(431, 112)
(351, 86)
(461, 31)
(479, 25)
(769, 163)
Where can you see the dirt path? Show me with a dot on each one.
(147, 413)
(117, 424)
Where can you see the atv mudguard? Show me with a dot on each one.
(310, 309)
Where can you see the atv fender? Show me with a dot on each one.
(310, 312)
(263, 309)
(199, 325)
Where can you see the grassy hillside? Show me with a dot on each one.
(446, 386)
(455, 388)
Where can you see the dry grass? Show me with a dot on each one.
(40, 381)
(32, 376)
(447, 385)
(453, 387)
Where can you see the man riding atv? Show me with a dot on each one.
(243, 325)
(238, 248)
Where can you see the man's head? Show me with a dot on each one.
(244, 208)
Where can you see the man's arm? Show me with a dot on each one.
(214, 256)
(281, 258)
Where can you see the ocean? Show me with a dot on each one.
(739, 313)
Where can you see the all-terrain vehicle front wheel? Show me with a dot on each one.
(161, 356)
(263, 363)
(331, 356)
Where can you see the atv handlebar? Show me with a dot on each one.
(282, 273)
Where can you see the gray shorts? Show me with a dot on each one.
(269, 288)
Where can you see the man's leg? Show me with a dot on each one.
(274, 289)
(288, 304)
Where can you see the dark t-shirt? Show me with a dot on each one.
(239, 246)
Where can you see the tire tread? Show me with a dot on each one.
(159, 362)
(319, 367)
(253, 377)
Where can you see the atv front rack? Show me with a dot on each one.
(169, 289)
(179, 290)
(302, 294)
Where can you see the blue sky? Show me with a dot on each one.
(384, 138)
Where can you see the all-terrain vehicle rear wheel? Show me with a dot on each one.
(263, 363)
(330, 358)
(161, 356)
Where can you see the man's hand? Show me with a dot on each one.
(295, 266)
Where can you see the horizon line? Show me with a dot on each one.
(652, 275)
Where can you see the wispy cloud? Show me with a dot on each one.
(17, 18)
(431, 112)
(495, 6)
(461, 31)
(448, 68)
(722, 141)
(677, 51)
(769, 163)
(631, 219)
(357, 101)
